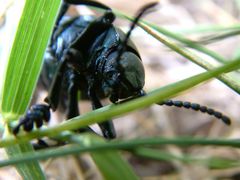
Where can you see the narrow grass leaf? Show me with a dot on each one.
(210, 162)
(22, 72)
(177, 37)
(109, 162)
(216, 37)
(227, 79)
(129, 145)
(206, 28)
(156, 32)
(111, 111)
(26, 56)
(27, 170)
(187, 42)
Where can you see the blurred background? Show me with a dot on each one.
(196, 20)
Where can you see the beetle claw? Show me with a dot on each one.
(36, 115)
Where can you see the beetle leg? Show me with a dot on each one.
(55, 89)
(72, 106)
(106, 127)
(36, 114)
(41, 112)
(41, 144)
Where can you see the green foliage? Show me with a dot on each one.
(21, 76)
(26, 56)
(22, 71)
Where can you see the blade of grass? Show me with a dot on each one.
(211, 162)
(238, 3)
(109, 162)
(143, 24)
(187, 42)
(211, 28)
(217, 37)
(229, 80)
(128, 145)
(22, 71)
(110, 111)
(26, 56)
(27, 170)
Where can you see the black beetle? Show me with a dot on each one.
(91, 55)
(84, 55)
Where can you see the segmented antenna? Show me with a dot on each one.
(197, 107)
(143, 11)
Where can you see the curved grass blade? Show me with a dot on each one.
(27, 170)
(187, 42)
(110, 111)
(210, 162)
(229, 80)
(177, 37)
(109, 162)
(128, 145)
(211, 28)
(22, 72)
(217, 37)
(26, 56)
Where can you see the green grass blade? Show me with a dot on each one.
(206, 28)
(175, 36)
(155, 96)
(192, 44)
(210, 162)
(229, 80)
(216, 37)
(110, 111)
(22, 72)
(26, 56)
(129, 145)
(112, 165)
(109, 162)
(27, 170)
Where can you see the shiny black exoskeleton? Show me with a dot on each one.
(82, 56)
(89, 54)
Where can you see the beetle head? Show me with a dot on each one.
(123, 79)
(124, 73)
